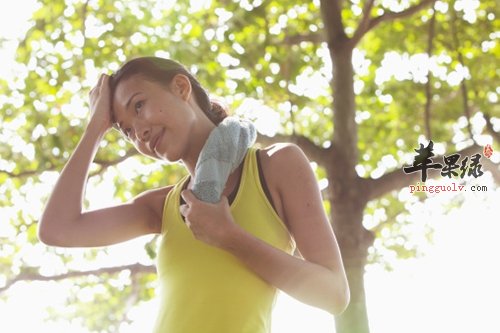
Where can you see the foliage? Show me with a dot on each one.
(272, 51)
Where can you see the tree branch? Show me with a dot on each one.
(489, 165)
(364, 23)
(26, 173)
(84, 14)
(315, 38)
(312, 151)
(463, 85)
(490, 129)
(397, 179)
(331, 12)
(32, 276)
(493, 168)
(393, 15)
(428, 85)
(103, 164)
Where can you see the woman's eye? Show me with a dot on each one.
(138, 106)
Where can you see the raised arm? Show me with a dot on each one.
(64, 223)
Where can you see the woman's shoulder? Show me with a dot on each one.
(280, 157)
(282, 164)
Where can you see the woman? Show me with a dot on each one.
(218, 264)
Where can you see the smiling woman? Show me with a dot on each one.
(154, 77)
(219, 264)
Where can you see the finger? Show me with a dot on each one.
(188, 196)
(104, 78)
(224, 200)
(183, 210)
(99, 81)
(188, 224)
(104, 82)
(97, 87)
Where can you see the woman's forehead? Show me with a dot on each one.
(129, 86)
(124, 91)
(119, 98)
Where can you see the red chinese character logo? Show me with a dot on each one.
(487, 151)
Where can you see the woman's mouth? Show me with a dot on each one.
(154, 143)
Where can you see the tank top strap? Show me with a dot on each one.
(172, 201)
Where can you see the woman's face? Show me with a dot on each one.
(155, 118)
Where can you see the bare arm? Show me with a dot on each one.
(63, 222)
(319, 278)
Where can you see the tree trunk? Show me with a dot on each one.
(347, 195)
(354, 242)
(355, 318)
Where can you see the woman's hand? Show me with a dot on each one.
(100, 105)
(210, 223)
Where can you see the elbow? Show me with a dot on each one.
(342, 303)
(46, 235)
(341, 300)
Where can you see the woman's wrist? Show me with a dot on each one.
(233, 239)
(96, 129)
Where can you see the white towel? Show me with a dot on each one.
(222, 153)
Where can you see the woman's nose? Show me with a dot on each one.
(143, 133)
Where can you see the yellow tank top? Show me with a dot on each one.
(204, 289)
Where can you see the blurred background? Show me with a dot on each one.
(358, 85)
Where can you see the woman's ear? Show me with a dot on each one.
(181, 86)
